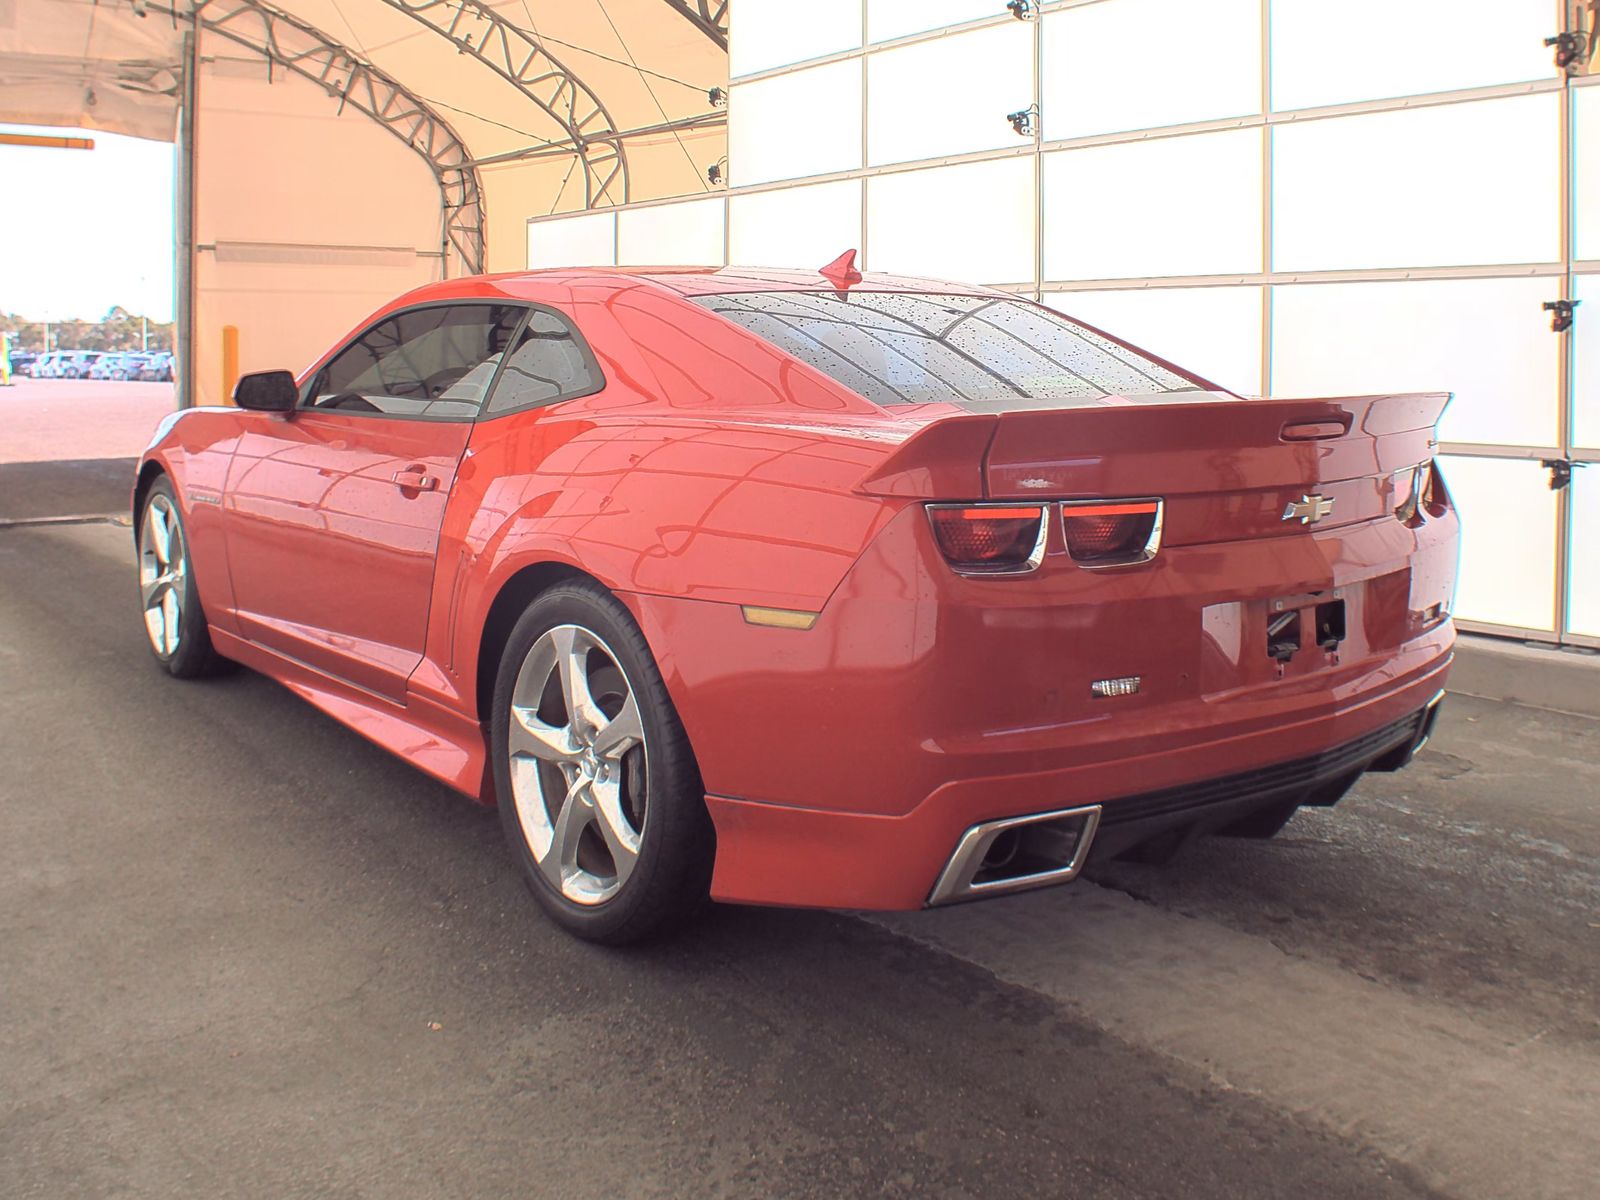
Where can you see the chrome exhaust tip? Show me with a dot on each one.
(1017, 853)
(1429, 717)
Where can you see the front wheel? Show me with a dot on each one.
(173, 620)
(600, 798)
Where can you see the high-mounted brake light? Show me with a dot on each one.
(989, 539)
(1112, 533)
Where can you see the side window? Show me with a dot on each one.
(549, 363)
(432, 362)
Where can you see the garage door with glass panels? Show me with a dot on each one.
(1291, 196)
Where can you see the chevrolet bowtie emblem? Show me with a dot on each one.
(1308, 510)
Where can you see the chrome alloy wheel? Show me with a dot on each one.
(578, 767)
(163, 574)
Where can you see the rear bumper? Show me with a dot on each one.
(791, 855)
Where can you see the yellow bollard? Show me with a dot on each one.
(230, 361)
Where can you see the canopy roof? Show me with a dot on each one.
(547, 105)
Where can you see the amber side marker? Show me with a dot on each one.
(779, 618)
(49, 143)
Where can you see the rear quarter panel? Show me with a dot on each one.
(705, 470)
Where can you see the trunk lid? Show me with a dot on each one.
(1227, 469)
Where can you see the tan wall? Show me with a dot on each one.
(306, 220)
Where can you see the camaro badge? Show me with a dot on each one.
(1308, 510)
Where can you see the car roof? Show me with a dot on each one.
(685, 281)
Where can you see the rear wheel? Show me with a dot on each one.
(173, 620)
(600, 798)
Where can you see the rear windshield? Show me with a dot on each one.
(983, 352)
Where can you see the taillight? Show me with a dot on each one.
(1404, 486)
(1419, 490)
(1112, 533)
(989, 538)
(1435, 495)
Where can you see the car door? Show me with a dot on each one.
(333, 512)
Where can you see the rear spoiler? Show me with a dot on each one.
(941, 461)
(982, 455)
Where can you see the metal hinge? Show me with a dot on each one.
(1560, 471)
(1572, 50)
(1562, 313)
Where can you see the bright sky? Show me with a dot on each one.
(82, 230)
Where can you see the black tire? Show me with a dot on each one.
(669, 883)
(193, 657)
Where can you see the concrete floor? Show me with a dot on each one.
(245, 953)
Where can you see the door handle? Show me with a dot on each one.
(415, 479)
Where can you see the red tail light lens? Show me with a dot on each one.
(989, 538)
(1435, 495)
(1112, 533)
(1420, 492)
(1406, 485)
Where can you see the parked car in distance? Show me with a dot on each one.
(808, 588)
(107, 366)
(48, 365)
(157, 366)
(127, 365)
(78, 363)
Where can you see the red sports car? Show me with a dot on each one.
(809, 588)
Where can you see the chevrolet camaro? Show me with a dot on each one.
(809, 588)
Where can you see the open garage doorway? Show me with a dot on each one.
(86, 312)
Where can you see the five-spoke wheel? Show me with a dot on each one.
(578, 764)
(599, 794)
(168, 598)
(163, 574)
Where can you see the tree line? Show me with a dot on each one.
(119, 329)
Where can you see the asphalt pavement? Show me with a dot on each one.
(244, 953)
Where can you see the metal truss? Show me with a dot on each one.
(290, 43)
(517, 57)
(710, 17)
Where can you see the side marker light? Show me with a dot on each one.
(779, 618)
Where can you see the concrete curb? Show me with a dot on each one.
(1566, 680)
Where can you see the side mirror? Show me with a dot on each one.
(267, 391)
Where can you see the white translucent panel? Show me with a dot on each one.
(1370, 49)
(1137, 64)
(1214, 332)
(1583, 580)
(1586, 171)
(972, 222)
(589, 240)
(1508, 541)
(1486, 340)
(790, 126)
(689, 233)
(917, 108)
(1454, 184)
(1171, 206)
(897, 18)
(763, 34)
(1586, 364)
(795, 227)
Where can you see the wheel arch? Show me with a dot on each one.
(524, 586)
(149, 472)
